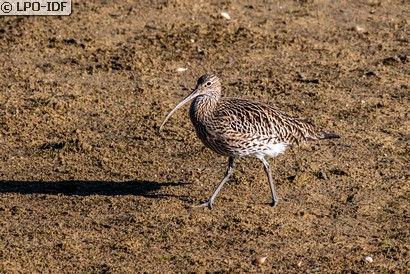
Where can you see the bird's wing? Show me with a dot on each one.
(249, 119)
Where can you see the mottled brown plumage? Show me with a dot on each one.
(237, 127)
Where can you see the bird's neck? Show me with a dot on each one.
(203, 106)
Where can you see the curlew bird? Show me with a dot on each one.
(236, 127)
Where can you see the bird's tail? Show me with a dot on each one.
(304, 131)
(320, 134)
(328, 135)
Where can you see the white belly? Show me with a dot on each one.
(262, 150)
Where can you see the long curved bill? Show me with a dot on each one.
(191, 96)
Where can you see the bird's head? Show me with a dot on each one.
(207, 85)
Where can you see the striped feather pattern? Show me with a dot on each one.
(239, 127)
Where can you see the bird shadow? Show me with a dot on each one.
(86, 188)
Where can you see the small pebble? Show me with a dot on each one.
(368, 259)
(225, 15)
(260, 260)
(180, 69)
(359, 29)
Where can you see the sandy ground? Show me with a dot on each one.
(88, 184)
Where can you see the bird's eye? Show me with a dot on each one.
(208, 84)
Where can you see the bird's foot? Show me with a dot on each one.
(274, 203)
(208, 204)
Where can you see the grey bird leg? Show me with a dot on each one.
(227, 174)
(272, 189)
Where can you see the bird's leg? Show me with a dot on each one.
(227, 174)
(272, 189)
